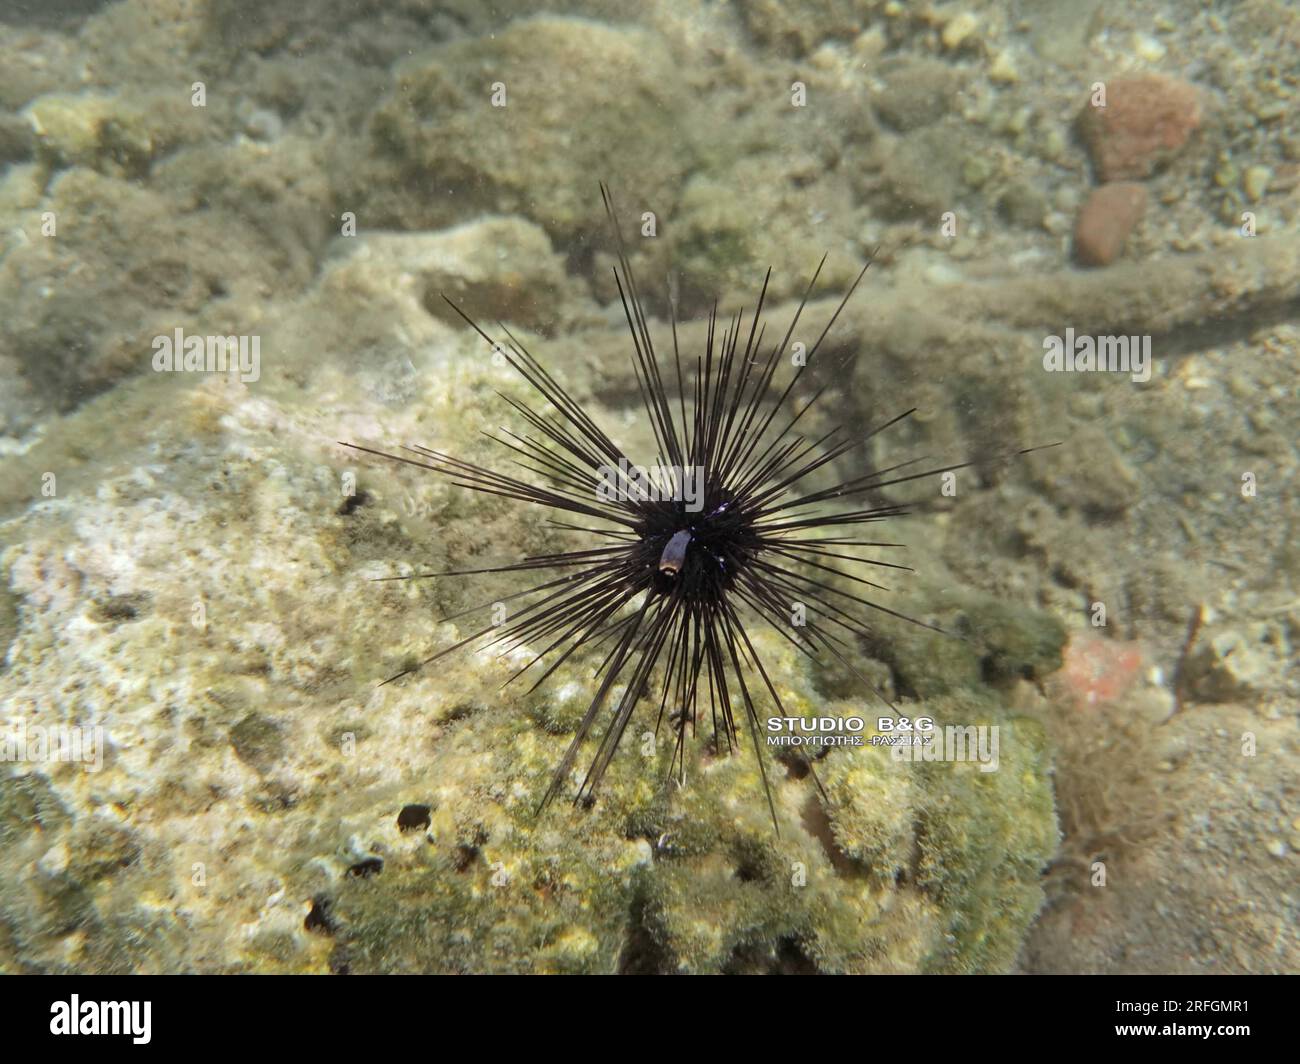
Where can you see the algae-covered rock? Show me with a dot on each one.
(115, 133)
(983, 641)
(918, 92)
(1017, 642)
(207, 599)
(723, 244)
(796, 28)
(900, 867)
(930, 170)
(502, 266)
(985, 839)
(83, 297)
(489, 885)
(527, 121)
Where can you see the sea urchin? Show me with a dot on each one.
(690, 554)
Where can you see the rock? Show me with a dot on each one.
(166, 43)
(1097, 671)
(1254, 182)
(1023, 204)
(1236, 663)
(502, 267)
(493, 124)
(1018, 643)
(255, 746)
(718, 252)
(927, 171)
(918, 92)
(796, 27)
(983, 641)
(958, 30)
(1093, 476)
(35, 62)
(81, 307)
(1144, 124)
(17, 139)
(1107, 217)
(1003, 69)
(121, 134)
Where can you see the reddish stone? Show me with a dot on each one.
(1105, 221)
(1096, 672)
(1145, 122)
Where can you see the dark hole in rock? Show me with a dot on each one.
(114, 609)
(413, 817)
(319, 917)
(796, 764)
(463, 710)
(371, 866)
(352, 502)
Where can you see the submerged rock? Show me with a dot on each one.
(255, 778)
(1108, 216)
(493, 124)
(1145, 122)
(502, 267)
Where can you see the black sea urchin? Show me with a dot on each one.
(693, 552)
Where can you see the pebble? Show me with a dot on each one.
(1067, 198)
(1254, 182)
(1053, 145)
(870, 44)
(263, 124)
(1023, 205)
(918, 92)
(1106, 220)
(1148, 48)
(1144, 124)
(1003, 69)
(958, 29)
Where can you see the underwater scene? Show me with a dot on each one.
(680, 487)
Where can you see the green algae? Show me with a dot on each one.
(984, 642)
(901, 867)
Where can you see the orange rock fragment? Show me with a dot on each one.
(1105, 221)
(1098, 671)
(1144, 123)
